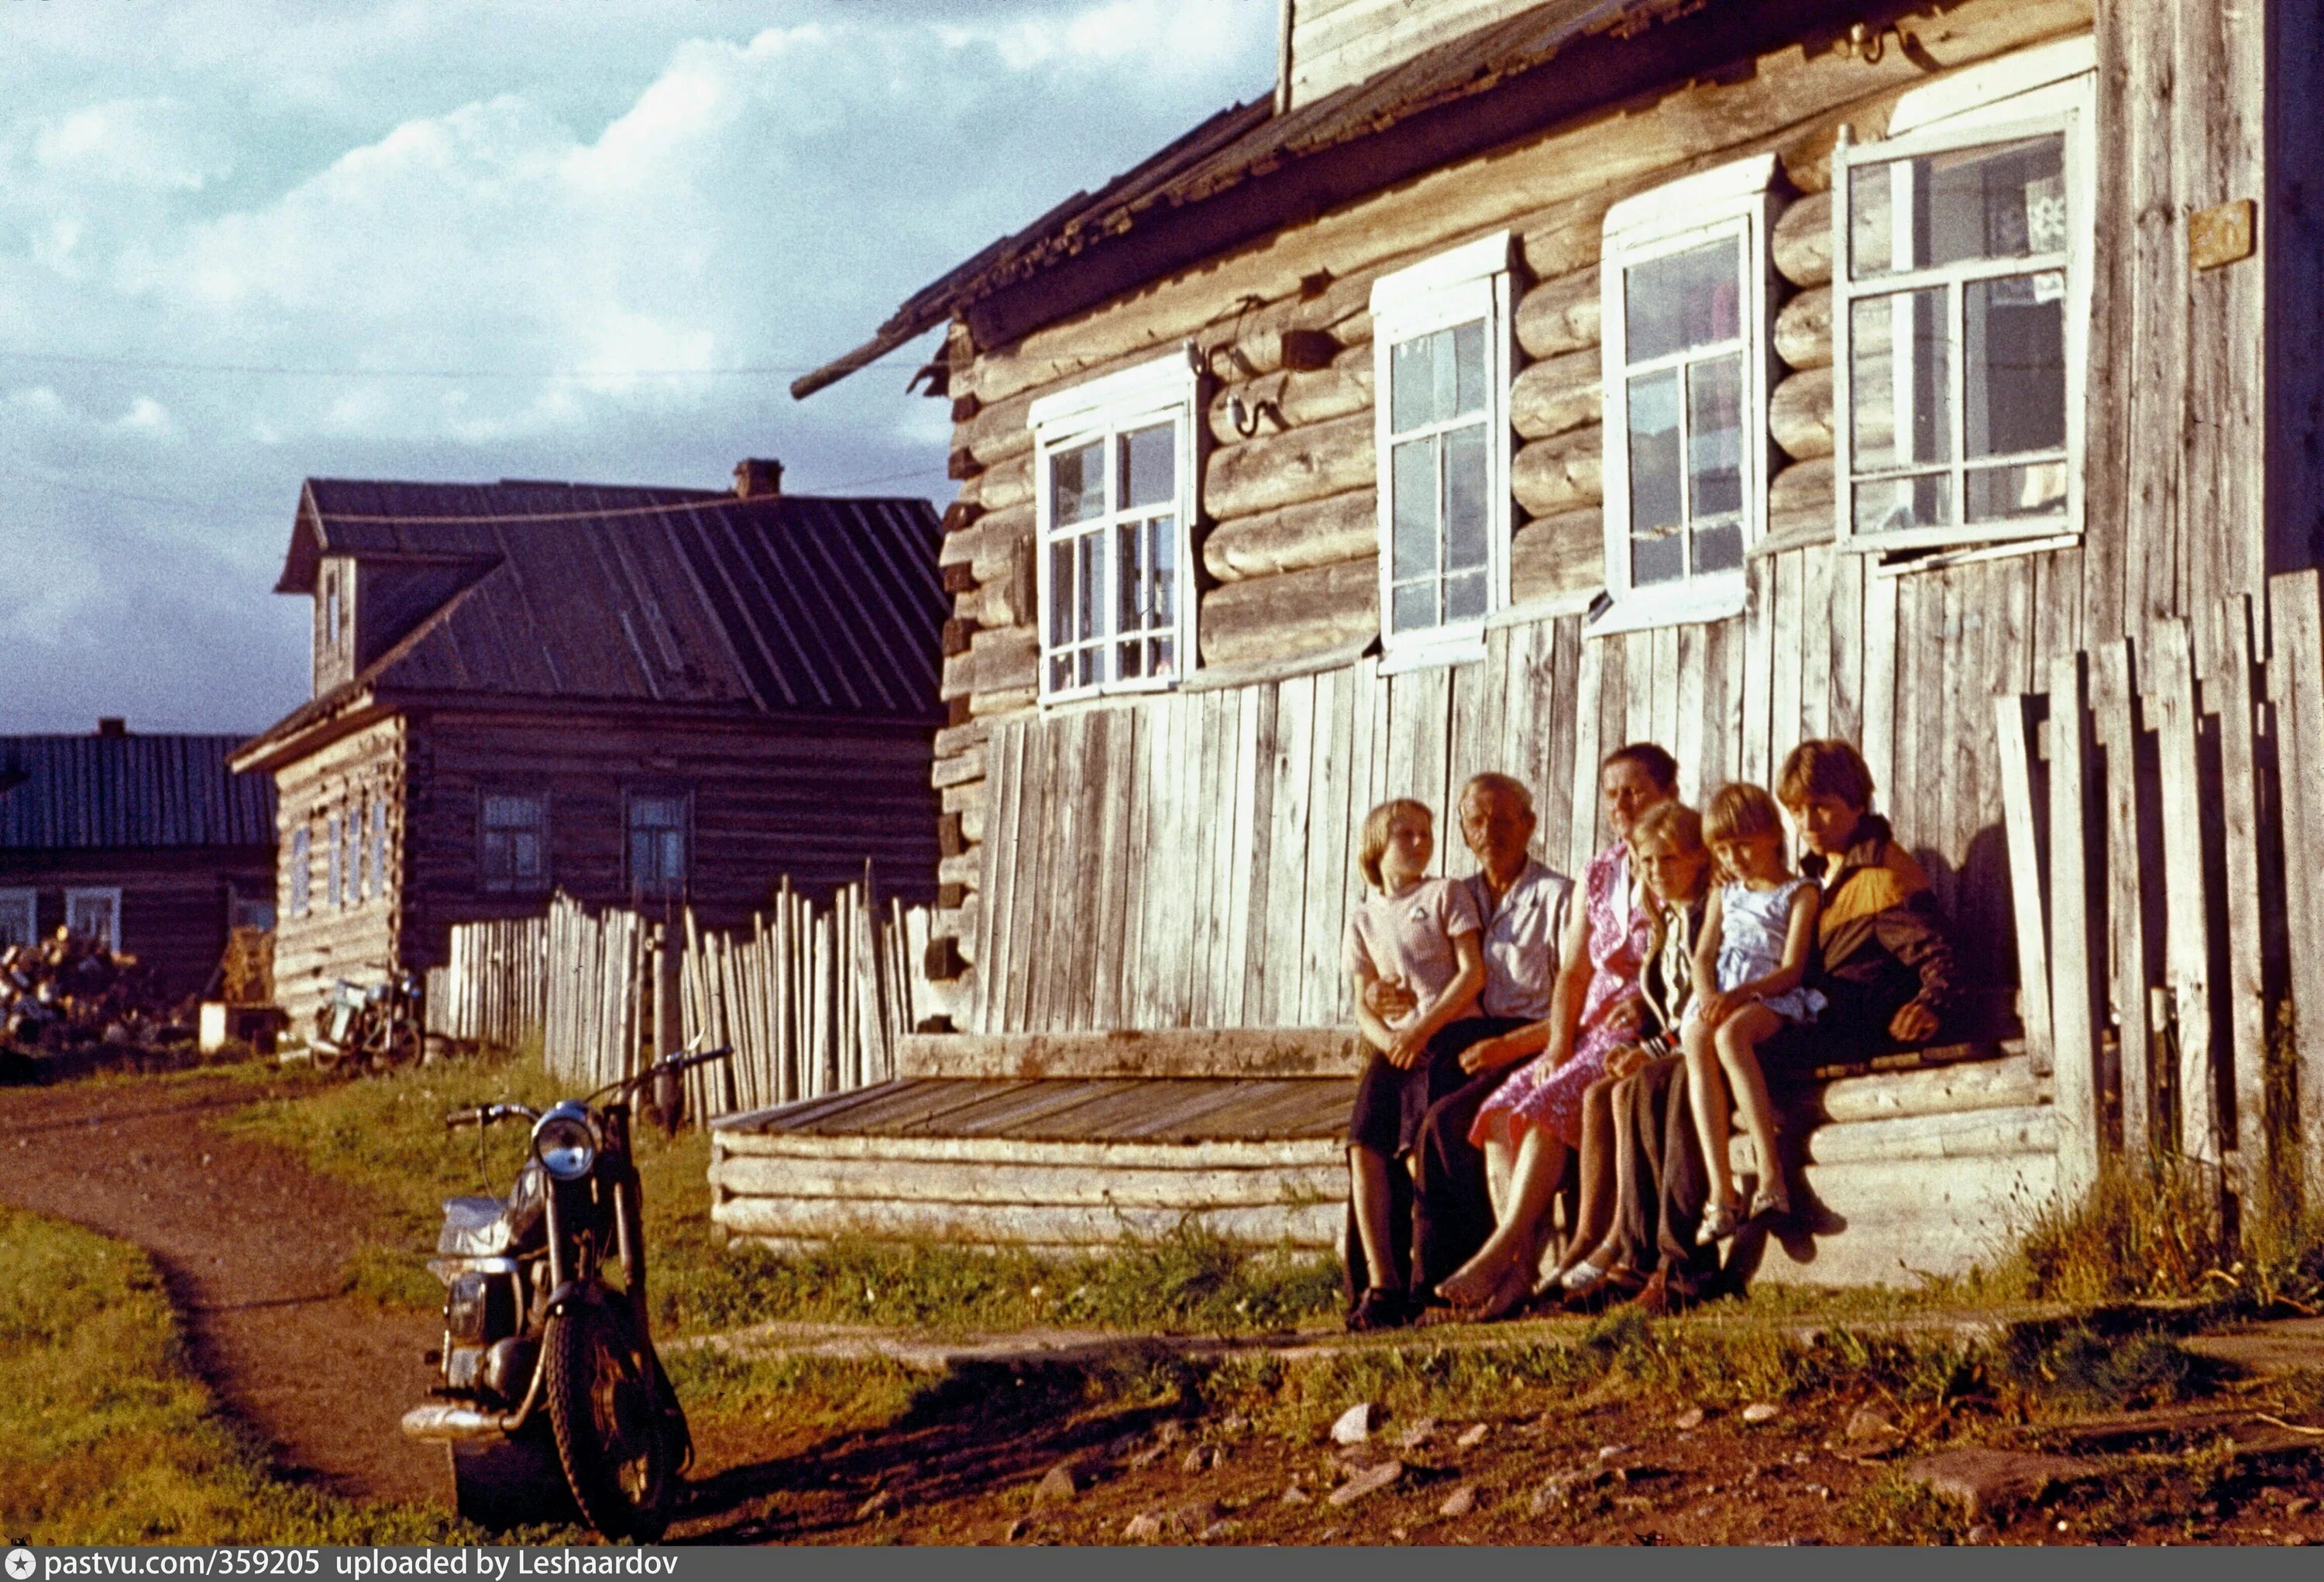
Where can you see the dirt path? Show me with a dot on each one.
(251, 1244)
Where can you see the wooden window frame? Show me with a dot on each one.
(1458, 286)
(111, 895)
(299, 871)
(334, 863)
(1738, 200)
(376, 838)
(1165, 390)
(14, 897)
(540, 801)
(2033, 98)
(631, 796)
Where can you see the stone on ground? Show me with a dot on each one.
(1058, 1485)
(1370, 1481)
(1357, 1423)
(1869, 1425)
(1760, 1411)
(1990, 1481)
(1417, 1435)
(1691, 1419)
(1473, 1435)
(1460, 1502)
(1144, 1527)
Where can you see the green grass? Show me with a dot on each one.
(106, 1437)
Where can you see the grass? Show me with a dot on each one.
(106, 1436)
(385, 1136)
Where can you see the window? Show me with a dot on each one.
(335, 865)
(95, 914)
(1115, 465)
(298, 883)
(1441, 351)
(359, 858)
(379, 846)
(658, 843)
(1961, 309)
(19, 917)
(515, 834)
(1683, 271)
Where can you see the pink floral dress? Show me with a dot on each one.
(1550, 1097)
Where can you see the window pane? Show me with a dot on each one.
(1061, 671)
(1413, 526)
(1465, 595)
(1162, 661)
(1163, 558)
(1076, 485)
(1694, 297)
(1412, 379)
(1655, 501)
(1467, 486)
(525, 847)
(1659, 556)
(1089, 601)
(1896, 505)
(1719, 547)
(1901, 373)
(2004, 200)
(1088, 661)
(1414, 606)
(1149, 467)
(1129, 658)
(1061, 592)
(1468, 369)
(1714, 424)
(2014, 334)
(1130, 604)
(1999, 494)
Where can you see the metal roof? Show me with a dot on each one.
(76, 793)
(779, 604)
(1248, 171)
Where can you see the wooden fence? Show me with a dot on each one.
(2166, 831)
(813, 999)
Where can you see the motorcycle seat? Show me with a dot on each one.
(475, 1227)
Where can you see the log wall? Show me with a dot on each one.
(355, 941)
(174, 903)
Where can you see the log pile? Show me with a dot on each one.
(67, 993)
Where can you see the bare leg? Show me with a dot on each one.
(1595, 1220)
(1738, 1043)
(1541, 1160)
(1368, 1189)
(1707, 1089)
(1501, 1163)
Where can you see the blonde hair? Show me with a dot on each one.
(1380, 824)
(1741, 812)
(1681, 827)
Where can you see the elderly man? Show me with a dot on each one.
(1523, 904)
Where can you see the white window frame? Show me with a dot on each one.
(110, 894)
(378, 843)
(2048, 91)
(1467, 282)
(517, 884)
(335, 889)
(1164, 390)
(1737, 201)
(27, 904)
(299, 871)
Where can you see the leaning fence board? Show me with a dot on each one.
(2229, 689)
(2076, 971)
(2114, 702)
(2015, 731)
(2186, 892)
(2295, 674)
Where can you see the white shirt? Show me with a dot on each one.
(1521, 938)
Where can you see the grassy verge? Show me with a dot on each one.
(106, 1437)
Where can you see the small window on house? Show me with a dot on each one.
(359, 858)
(1114, 470)
(515, 834)
(1441, 351)
(1684, 272)
(95, 914)
(335, 867)
(1962, 305)
(379, 846)
(658, 843)
(19, 917)
(299, 876)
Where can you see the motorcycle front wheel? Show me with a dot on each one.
(605, 1414)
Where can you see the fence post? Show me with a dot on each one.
(2229, 686)
(2074, 997)
(2186, 892)
(2014, 726)
(2295, 677)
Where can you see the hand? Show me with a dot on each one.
(1487, 1054)
(1625, 1059)
(1388, 999)
(1405, 1053)
(1915, 1024)
(1627, 1016)
(1713, 1008)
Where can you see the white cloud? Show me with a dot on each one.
(134, 142)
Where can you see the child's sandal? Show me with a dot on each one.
(1718, 1225)
(1771, 1202)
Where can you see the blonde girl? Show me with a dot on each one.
(1422, 935)
(1750, 964)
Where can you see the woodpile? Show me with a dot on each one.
(69, 993)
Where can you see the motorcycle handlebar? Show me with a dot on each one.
(483, 1114)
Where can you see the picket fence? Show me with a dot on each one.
(813, 998)
(2165, 821)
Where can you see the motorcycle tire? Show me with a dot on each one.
(605, 1413)
(499, 1483)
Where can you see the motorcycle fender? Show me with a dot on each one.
(571, 1291)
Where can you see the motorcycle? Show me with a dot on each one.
(375, 1028)
(552, 1402)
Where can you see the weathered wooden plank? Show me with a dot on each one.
(2295, 674)
(2152, 545)
(1324, 886)
(1119, 785)
(2186, 892)
(1556, 687)
(2246, 897)
(1844, 684)
(1819, 633)
(1309, 1224)
(1032, 856)
(1031, 1185)
(1638, 677)
(1254, 819)
(2113, 703)
(2013, 727)
(731, 1138)
(1685, 685)
(1758, 669)
(1787, 683)
(1139, 877)
(1214, 818)
(1279, 946)
(2077, 969)
(1589, 747)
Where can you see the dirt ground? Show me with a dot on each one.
(251, 1244)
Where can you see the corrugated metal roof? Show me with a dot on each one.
(1248, 142)
(779, 603)
(77, 793)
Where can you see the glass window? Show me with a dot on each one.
(1113, 513)
(658, 844)
(94, 915)
(515, 838)
(379, 846)
(336, 864)
(299, 892)
(1683, 384)
(1957, 288)
(1440, 478)
(19, 917)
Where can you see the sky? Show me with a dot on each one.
(247, 241)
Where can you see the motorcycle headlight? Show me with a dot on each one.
(565, 1143)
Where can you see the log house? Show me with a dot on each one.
(1539, 377)
(642, 696)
